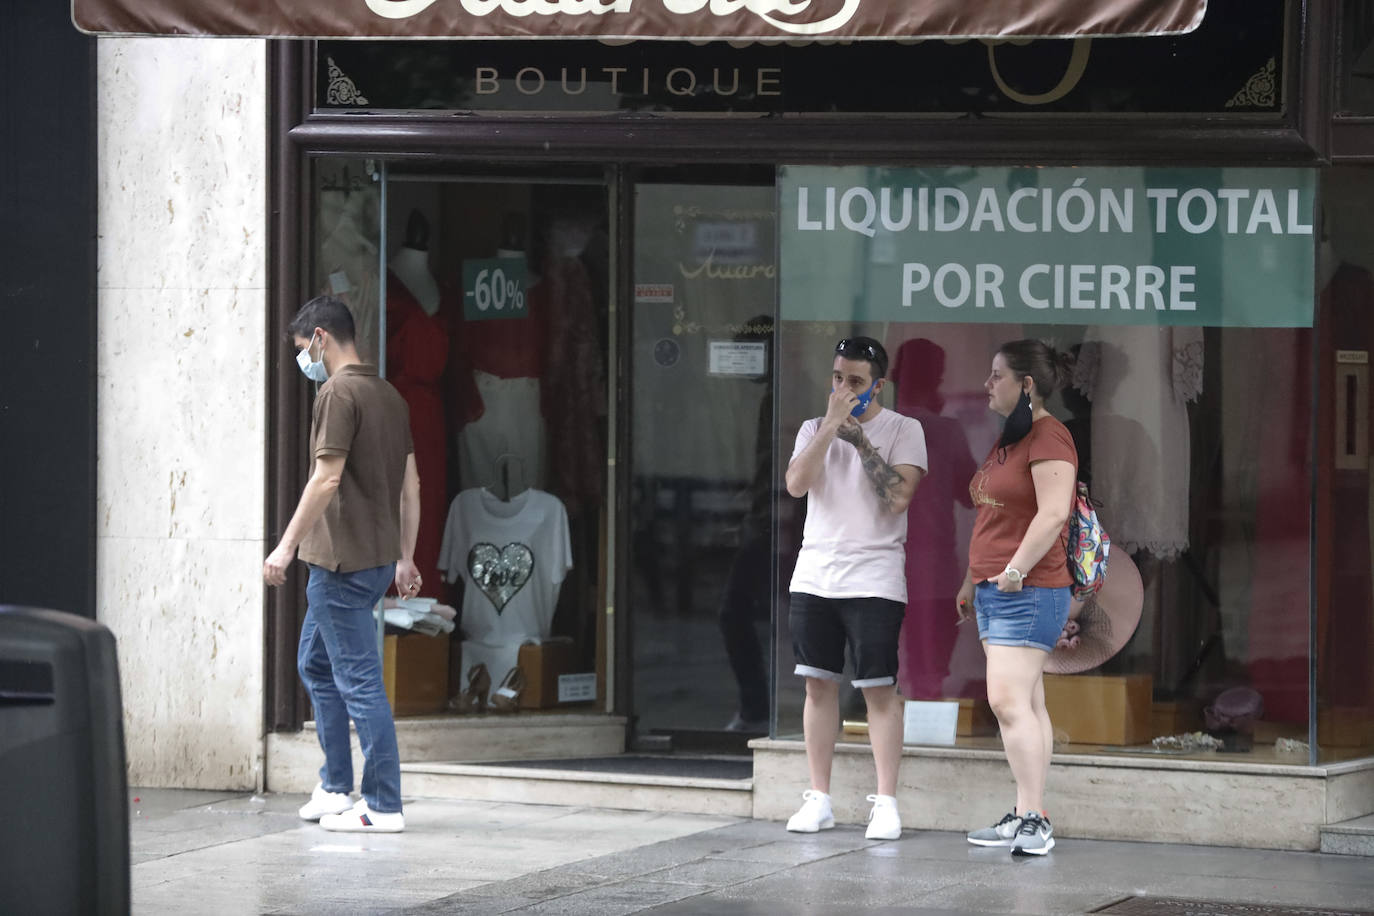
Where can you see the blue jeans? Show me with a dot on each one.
(338, 662)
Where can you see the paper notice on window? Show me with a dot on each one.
(736, 357)
(654, 292)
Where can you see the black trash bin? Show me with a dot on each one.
(65, 844)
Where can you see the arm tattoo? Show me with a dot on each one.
(851, 433)
(882, 475)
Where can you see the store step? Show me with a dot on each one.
(1350, 838)
(638, 782)
(293, 758)
(697, 741)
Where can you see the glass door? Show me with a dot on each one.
(703, 289)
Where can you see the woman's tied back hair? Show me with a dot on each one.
(1049, 369)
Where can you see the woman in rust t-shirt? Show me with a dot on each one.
(1018, 581)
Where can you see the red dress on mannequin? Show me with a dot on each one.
(1277, 641)
(416, 351)
(934, 560)
(506, 348)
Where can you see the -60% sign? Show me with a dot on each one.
(494, 288)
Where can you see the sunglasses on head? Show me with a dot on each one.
(851, 349)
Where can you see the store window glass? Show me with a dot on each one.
(347, 238)
(1345, 595)
(484, 298)
(1185, 301)
(701, 393)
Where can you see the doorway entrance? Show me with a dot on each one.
(703, 292)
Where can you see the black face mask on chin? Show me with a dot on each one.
(1018, 422)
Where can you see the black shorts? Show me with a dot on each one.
(821, 628)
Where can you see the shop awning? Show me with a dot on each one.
(641, 19)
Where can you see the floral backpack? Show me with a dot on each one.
(1088, 546)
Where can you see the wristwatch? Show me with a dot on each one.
(1013, 575)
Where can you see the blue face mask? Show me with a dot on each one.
(313, 369)
(864, 398)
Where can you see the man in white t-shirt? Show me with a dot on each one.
(859, 466)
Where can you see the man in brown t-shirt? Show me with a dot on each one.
(355, 527)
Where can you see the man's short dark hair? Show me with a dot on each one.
(323, 312)
(866, 349)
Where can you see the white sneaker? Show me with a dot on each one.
(814, 814)
(884, 823)
(322, 803)
(362, 819)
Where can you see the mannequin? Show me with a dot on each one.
(934, 556)
(416, 353)
(499, 365)
(411, 264)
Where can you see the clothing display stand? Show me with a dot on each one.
(503, 469)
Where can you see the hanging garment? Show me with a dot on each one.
(503, 348)
(1274, 640)
(935, 555)
(495, 392)
(575, 385)
(416, 352)
(348, 253)
(512, 557)
(1139, 379)
(935, 559)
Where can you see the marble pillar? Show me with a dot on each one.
(182, 280)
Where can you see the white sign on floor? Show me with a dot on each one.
(577, 688)
(930, 722)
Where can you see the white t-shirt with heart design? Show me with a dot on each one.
(512, 557)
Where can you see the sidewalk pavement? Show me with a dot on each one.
(224, 853)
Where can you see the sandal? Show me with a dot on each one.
(474, 698)
(506, 698)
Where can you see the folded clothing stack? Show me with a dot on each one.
(419, 615)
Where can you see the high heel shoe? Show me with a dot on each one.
(506, 698)
(474, 698)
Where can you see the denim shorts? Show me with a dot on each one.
(1030, 617)
(822, 626)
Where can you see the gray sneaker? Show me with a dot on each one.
(1034, 837)
(999, 834)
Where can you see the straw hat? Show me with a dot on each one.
(1105, 621)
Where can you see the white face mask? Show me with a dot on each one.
(313, 369)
